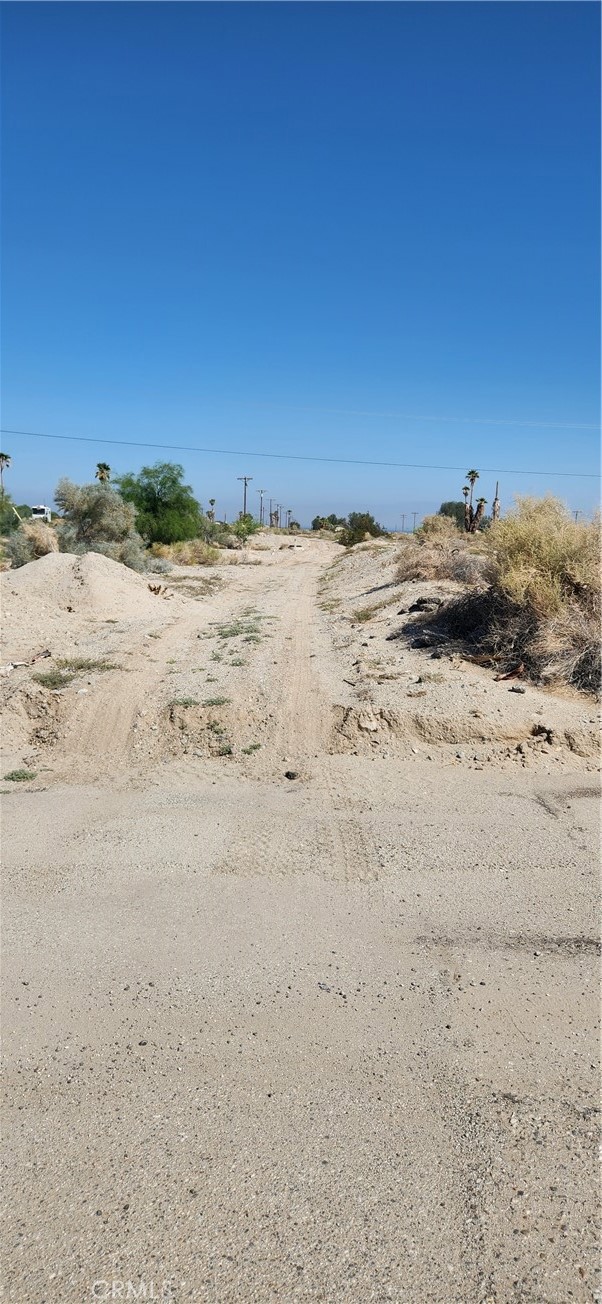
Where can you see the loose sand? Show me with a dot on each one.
(327, 1038)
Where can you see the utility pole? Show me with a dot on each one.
(403, 522)
(245, 479)
(261, 493)
(414, 514)
(577, 514)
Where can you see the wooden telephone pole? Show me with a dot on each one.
(245, 479)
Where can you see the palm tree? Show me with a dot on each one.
(5, 461)
(466, 492)
(472, 477)
(479, 514)
(495, 506)
(103, 472)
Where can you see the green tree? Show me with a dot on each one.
(455, 510)
(358, 525)
(328, 522)
(166, 508)
(9, 515)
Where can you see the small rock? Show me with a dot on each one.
(423, 604)
(517, 688)
(291, 774)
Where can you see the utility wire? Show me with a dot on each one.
(291, 457)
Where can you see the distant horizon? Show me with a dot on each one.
(419, 510)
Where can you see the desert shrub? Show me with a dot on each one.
(96, 519)
(130, 552)
(18, 549)
(544, 557)
(455, 510)
(542, 606)
(437, 527)
(159, 565)
(189, 552)
(466, 565)
(32, 539)
(92, 513)
(42, 538)
(359, 526)
(450, 556)
(244, 527)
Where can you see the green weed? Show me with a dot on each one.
(53, 678)
(86, 663)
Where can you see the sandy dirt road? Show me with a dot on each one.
(330, 1038)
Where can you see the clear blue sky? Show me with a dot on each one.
(297, 228)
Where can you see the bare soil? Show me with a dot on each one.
(300, 945)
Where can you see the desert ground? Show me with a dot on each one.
(300, 970)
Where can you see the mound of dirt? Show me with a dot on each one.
(60, 591)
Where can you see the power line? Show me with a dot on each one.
(293, 457)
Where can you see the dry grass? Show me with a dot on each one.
(437, 529)
(450, 556)
(191, 552)
(42, 537)
(542, 606)
(544, 558)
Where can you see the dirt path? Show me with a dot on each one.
(322, 1038)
